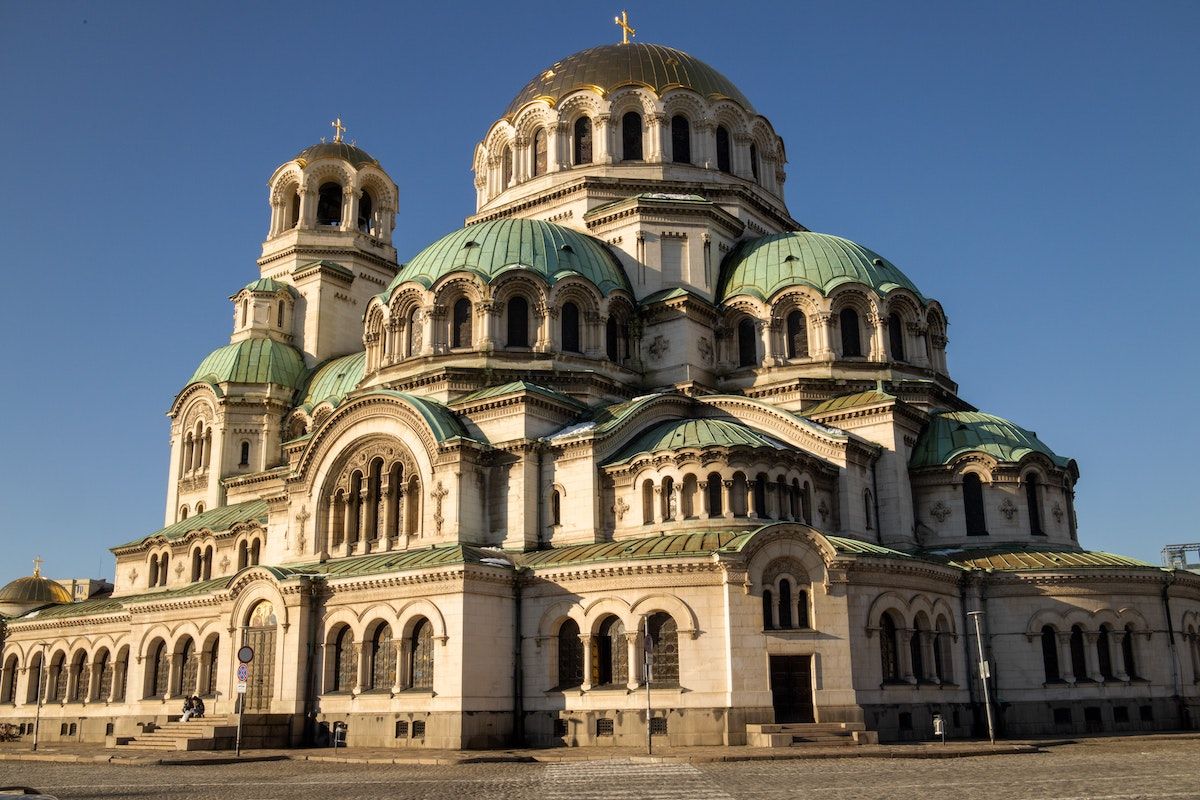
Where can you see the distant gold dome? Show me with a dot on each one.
(34, 590)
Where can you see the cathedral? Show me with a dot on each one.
(631, 453)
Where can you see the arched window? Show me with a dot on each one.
(570, 328)
(713, 487)
(681, 140)
(688, 497)
(612, 338)
(1033, 503)
(345, 665)
(366, 210)
(851, 336)
(583, 141)
(737, 495)
(1078, 657)
(279, 315)
(1104, 653)
(245, 456)
(768, 605)
(163, 574)
(1127, 653)
(294, 215)
(611, 654)
(159, 670)
(973, 505)
(943, 653)
(183, 513)
(896, 336)
(206, 563)
(209, 689)
(555, 507)
(421, 658)
(1050, 654)
(806, 503)
(245, 311)
(199, 508)
(460, 330)
(868, 509)
(631, 136)
(747, 343)
(80, 671)
(754, 160)
(329, 204)
(539, 152)
(383, 659)
(888, 651)
(243, 555)
(8, 685)
(785, 603)
(667, 499)
(664, 650)
(152, 579)
(723, 149)
(412, 344)
(255, 552)
(189, 668)
(36, 685)
(197, 564)
(412, 507)
(797, 335)
(506, 168)
(518, 322)
(916, 649)
(759, 493)
(570, 655)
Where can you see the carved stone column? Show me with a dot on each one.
(1091, 655)
(308, 211)
(349, 208)
(658, 504)
(1066, 666)
(823, 324)
(904, 654)
(655, 124)
(633, 658)
(602, 139)
(726, 499)
(588, 644)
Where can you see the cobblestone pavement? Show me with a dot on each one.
(1109, 769)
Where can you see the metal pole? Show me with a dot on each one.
(241, 707)
(984, 674)
(37, 717)
(646, 677)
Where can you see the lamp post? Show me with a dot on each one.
(647, 666)
(37, 714)
(984, 673)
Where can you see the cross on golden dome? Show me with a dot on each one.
(623, 23)
(37, 566)
(338, 129)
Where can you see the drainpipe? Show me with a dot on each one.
(518, 671)
(1175, 677)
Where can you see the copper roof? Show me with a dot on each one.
(34, 589)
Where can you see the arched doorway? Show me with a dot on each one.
(260, 634)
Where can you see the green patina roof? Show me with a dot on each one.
(685, 434)
(343, 150)
(846, 401)
(252, 361)
(673, 545)
(332, 266)
(215, 519)
(1013, 559)
(950, 434)
(377, 563)
(516, 387)
(268, 285)
(612, 66)
(333, 380)
(441, 420)
(761, 267)
(489, 249)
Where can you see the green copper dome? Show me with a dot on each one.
(252, 361)
(334, 379)
(694, 434)
(612, 66)
(950, 434)
(268, 285)
(489, 249)
(761, 267)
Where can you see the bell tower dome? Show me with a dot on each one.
(333, 210)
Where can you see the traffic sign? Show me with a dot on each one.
(246, 654)
(241, 688)
(243, 672)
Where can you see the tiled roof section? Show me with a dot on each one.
(489, 249)
(950, 434)
(858, 547)
(761, 267)
(215, 519)
(252, 361)
(343, 150)
(1013, 559)
(516, 387)
(611, 66)
(848, 401)
(688, 434)
(115, 605)
(323, 264)
(441, 420)
(671, 546)
(333, 380)
(425, 558)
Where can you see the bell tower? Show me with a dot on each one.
(333, 209)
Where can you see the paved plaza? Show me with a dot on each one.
(1098, 769)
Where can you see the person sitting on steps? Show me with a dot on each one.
(197, 706)
(189, 710)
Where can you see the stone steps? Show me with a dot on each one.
(205, 733)
(819, 734)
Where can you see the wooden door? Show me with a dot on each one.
(791, 688)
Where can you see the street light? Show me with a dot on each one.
(984, 673)
(37, 716)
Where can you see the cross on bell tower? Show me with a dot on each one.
(338, 129)
(626, 30)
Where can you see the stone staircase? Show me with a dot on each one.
(206, 733)
(814, 734)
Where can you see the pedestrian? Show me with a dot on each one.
(197, 706)
(189, 710)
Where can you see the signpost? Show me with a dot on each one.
(647, 666)
(985, 672)
(245, 656)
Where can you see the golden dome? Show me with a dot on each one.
(34, 590)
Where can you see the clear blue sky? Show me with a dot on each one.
(1035, 166)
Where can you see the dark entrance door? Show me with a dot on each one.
(791, 688)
